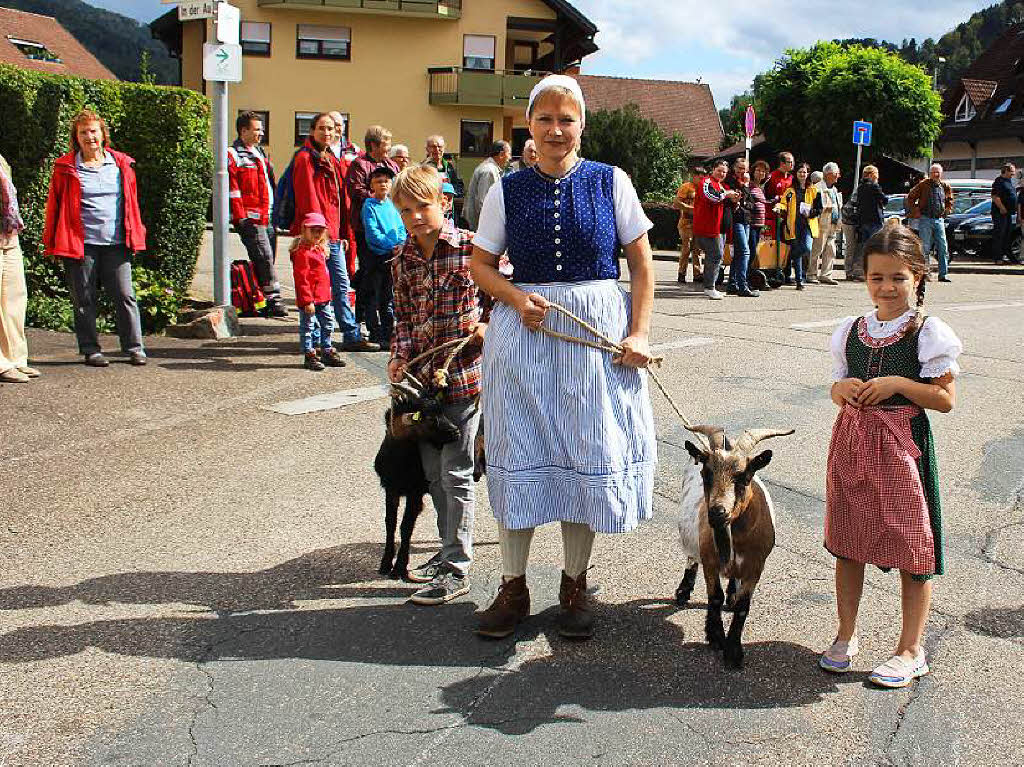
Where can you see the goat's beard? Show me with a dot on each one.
(723, 542)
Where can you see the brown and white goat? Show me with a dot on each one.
(727, 525)
(415, 416)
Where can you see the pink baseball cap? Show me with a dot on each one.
(314, 219)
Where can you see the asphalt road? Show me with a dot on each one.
(187, 574)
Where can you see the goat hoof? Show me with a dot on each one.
(733, 656)
(385, 567)
(399, 574)
(716, 642)
(682, 600)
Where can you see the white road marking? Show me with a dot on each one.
(329, 401)
(978, 307)
(346, 397)
(682, 343)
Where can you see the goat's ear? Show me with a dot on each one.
(695, 452)
(758, 462)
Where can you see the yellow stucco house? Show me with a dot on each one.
(461, 68)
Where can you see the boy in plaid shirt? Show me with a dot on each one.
(436, 301)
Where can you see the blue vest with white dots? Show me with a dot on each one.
(562, 230)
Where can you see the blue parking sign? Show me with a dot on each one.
(862, 133)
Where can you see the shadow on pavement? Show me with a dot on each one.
(995, 622)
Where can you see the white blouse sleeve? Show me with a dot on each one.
(838, 348)
(938, 349)
(630, 219)
(490, 232)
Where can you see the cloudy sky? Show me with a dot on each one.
(724, 42)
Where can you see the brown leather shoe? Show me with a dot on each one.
(576, 620)
(510, 607)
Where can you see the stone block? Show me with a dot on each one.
(212, 323)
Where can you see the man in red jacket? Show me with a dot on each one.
(251, 194)
(711, 196)
(778, 182)
(316, 181)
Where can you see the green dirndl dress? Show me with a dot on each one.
(869, 358)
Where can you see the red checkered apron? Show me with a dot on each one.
(876, 511)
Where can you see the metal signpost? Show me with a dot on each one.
(861, 138)
(750, 124)
(222, 64)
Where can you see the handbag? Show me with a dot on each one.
(772, 254)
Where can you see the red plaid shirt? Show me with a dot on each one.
(436, 301)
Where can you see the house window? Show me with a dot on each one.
(33, 50)
(965, 110)
(1002, 108)
(264, 116)
(477, 137)
(317, 42)
(303, 125)
(524, 56)
(254, 37)
(478, 52)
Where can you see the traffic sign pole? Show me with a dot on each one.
(856, 173)
(221, 217)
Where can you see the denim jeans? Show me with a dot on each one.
(338, 270)
(449, 470)
(712, 247)
(315, 329)
(799, 249)
(111, 266)
(379, 298)
(740, 256)
(1001, 235)
(933, 232)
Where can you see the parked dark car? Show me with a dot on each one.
(970, 233)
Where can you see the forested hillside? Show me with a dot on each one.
(115, 40)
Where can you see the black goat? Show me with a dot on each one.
(414, 416)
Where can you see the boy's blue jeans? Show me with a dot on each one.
(338, 270)
(449, 470)
(315, 329)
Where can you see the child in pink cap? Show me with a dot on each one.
(313, 294)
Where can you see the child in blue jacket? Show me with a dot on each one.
(385, 234)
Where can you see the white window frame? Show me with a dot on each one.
(965, 110)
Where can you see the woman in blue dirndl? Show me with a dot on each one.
(569, 431)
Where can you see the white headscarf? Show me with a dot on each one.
(560, 81)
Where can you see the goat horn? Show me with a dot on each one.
(406, 390)
(751, 437)
(715, 434)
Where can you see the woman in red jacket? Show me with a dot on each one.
(94, 225)
(317, 183)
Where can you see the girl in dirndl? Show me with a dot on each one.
(891, 365)
(569, 431)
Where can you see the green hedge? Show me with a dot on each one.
(165, 129)
(665, 234)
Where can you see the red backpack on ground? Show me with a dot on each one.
(246, 295)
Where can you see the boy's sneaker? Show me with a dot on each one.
(898, 671)
(331, 358)
(839, 657)
(446, 586)
(313, 363)
(426, 572)
(713, 294)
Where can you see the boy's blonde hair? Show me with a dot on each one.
(306, 238)
(869, 170)
(421, 183)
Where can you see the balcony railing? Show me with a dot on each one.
(481, 87)
(437, 9)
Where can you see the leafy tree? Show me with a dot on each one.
(810, 100)
(655, 162)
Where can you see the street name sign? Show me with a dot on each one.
(222, 63)
(196, 9)
(861, 133)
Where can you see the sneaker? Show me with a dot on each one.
(748, 293)
(331, 358)
(30, 372)
(360, 346)
(730, 290)
(96, 360)
(446, 586)
(827, 281)
(811, 280)
(898, 671)
(839, 657)
(137, 358)
(426, 572)
(945, 279)
(799, 285)
(713, 294)
(276, 309)
(312, 362)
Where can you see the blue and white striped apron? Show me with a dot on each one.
(569, 435)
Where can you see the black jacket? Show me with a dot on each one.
(870, 202)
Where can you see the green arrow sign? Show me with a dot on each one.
(222, 55)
